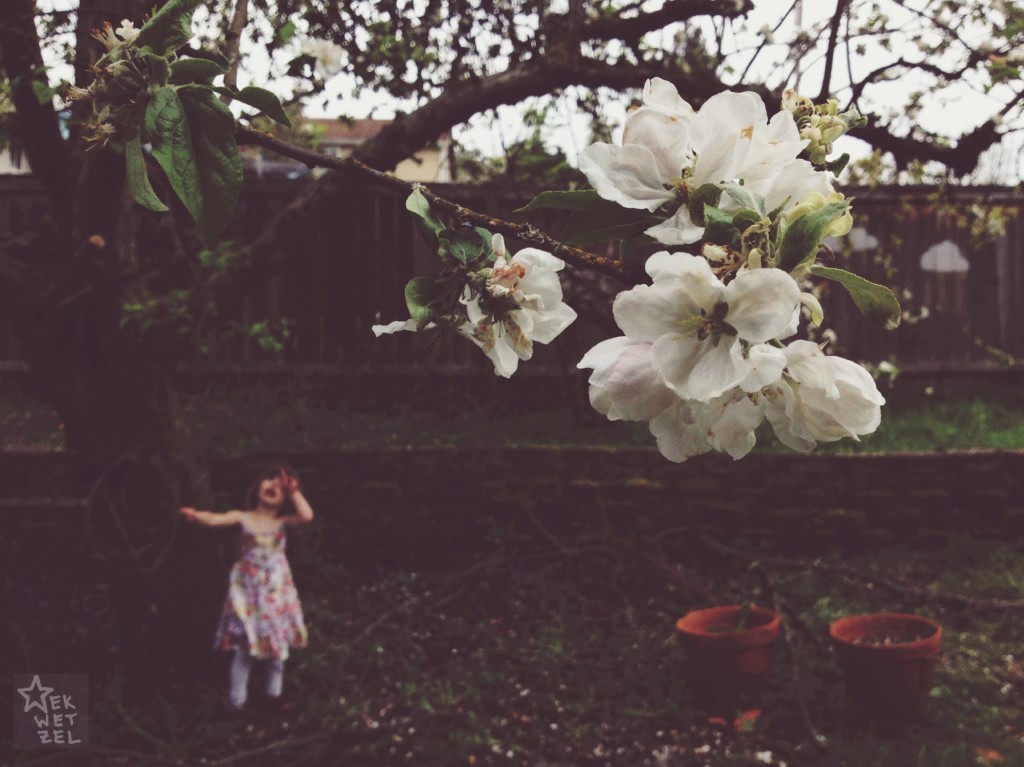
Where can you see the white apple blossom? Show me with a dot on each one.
(327, 56)
(668, 150)
(624, 384)
(695, 323)
(727, 424)
(821, 399)
(520, 304)
(530, 280)
(127, 31)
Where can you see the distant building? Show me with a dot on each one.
(13, 160)
(337, 138)
(331, 137)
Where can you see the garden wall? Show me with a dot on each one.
(425, 505)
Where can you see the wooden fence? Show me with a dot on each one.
(954, 256)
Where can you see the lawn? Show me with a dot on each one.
(262, 418)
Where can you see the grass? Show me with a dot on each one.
(274, 419)
(261, 419)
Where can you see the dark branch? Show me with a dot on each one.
(37, 123)
(525, 232)
(961, 158)
(635, 27)
(830, 53)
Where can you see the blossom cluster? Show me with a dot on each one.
(702, 357)
(508, 306)
(709, 348)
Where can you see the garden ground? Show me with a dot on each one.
(562, 652)
(542, 645)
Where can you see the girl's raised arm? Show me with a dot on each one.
(303, 511)
(210, 519)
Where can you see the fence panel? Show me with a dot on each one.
(958, 280)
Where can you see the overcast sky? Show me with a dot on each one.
(569, 130)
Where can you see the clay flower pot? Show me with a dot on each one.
(728, 665)
(888, 660)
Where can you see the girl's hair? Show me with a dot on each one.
(271, 471)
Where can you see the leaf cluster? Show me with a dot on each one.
(145, 95)
(465, 256)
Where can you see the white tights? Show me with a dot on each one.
(241, 665)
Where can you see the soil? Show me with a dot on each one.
(893, 638)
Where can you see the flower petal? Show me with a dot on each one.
(678, 230)
(674, 356)
(627, 175)
(666, 136)
(733, 431)
(624, 385)
(548, 324)
(761, 303)
(662, 95)
(764, 366)
(719, 368)
(395, 327)
(647, 312)
(678, 435)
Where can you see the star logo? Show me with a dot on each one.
(40, 689)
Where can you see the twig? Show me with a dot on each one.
(525, 232)
(232, 42)
(137, 757)
(275, 746)
(817, 738)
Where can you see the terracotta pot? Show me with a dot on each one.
(726, 665)
(887, 681)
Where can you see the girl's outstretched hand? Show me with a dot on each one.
(190, 514)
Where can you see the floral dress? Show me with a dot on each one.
(261, 611)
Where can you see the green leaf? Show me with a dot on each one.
(194, 71)
(604, 224)
(488, 236)
(138, 179)
(425, 218)
(747, 199)
(876, 302)
(837, 165)
(718, 227)
(627, 244)
(744, 219)
(801, 239)
(212, 127)
(702, 196)
(159, 69)
(420, 293)
(774, 212)
(262, 99)
(193, 139)
(284, 35)
(44, 93)
(466, 246)
(583, 199)
(169, 28)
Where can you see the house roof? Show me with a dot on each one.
(342, 133)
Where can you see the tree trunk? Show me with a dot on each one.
(127, 441)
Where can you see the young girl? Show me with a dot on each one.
(262, 617)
